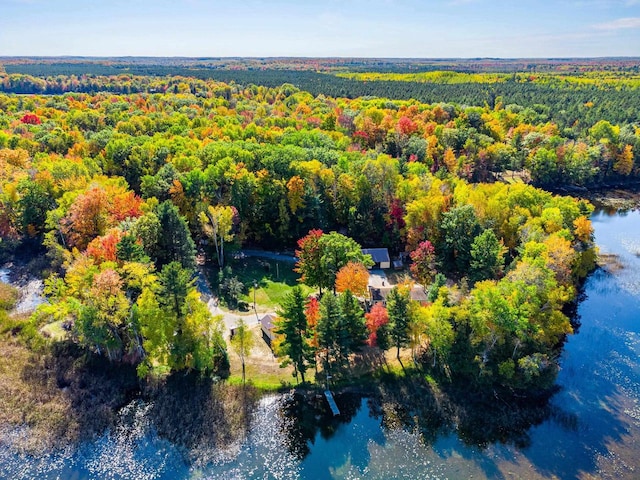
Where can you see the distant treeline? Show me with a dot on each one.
(579, 107)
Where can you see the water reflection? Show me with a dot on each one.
(588, 428)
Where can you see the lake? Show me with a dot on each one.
(592, 429)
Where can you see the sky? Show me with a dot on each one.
(314, 28)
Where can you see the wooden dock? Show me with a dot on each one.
(332, 403)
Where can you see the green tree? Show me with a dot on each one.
(327, 328)
(129, 249)
(321, 256)
(175, 282)
(439, 330)
(439, 281)
(33, 204)
(148, 230)
(352, 330)
(293, 327)
(157, 329)
(487, 256)
(336, 251)
(398, 311)
(459, 227)
(231, 289)
(174, 243)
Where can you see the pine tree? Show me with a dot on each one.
(398, 310)
(293, 327)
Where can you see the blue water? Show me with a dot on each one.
(593, 430)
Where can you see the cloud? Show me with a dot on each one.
(619, 24)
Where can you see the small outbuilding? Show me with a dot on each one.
(380, 256)
(267, 325)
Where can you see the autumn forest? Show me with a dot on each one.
(128, 182)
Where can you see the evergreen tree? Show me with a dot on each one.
(328, 325)
(129, 250)
(353, 330)
(293, 327)
(398, 310)
(439, 281)
(174, 244)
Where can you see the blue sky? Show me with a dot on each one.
(361, 28)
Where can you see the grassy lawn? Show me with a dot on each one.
(275, 280)
(262, 368)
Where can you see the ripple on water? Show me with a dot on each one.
(264, 453)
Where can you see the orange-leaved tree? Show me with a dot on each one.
(354, 276)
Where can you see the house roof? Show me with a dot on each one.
(380, 294)
(418, 294)
(267, 322)
(378, 255)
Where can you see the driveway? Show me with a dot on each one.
(230, 320)
(378, 279)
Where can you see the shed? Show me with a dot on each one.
(380, 256)
(267, 325)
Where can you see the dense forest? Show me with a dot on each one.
(575, 96)
(123, 189)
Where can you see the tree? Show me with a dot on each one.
(33, 204)
(218, 223)
(293, 328)
(157, 329)
(353, 277)
(241, 343)
(87, 218)
(328, 327)
(175, 282)
(376, 321)
(200, 345)
(459, 227)
(438, 329)
(101, 324)
(174, 243)
(352, 331)
(398, 311)
(439, 281)
(103, 248)
(624, 161)
(423, 267)
(95, 211)
(321, 256)
(312, 312)
(231, 289)
(487, 256)
(309, 255)
(129, 249)
(295, 193)
(336, 251)
(147, 229)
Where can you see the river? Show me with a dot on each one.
(592, 429)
